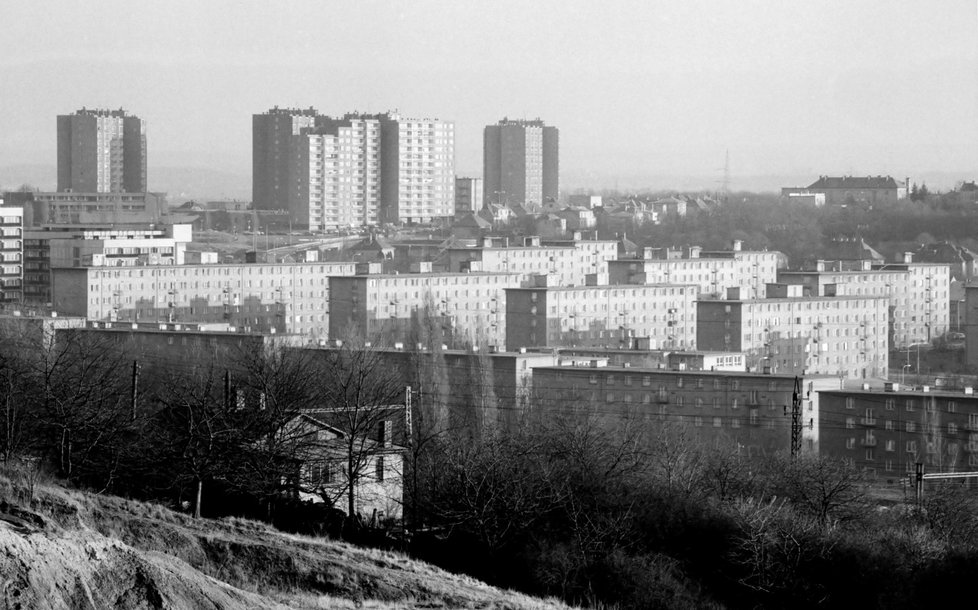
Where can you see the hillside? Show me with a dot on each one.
(78, 550)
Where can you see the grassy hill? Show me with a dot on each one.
(62, 548)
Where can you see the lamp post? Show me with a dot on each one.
(903, 374)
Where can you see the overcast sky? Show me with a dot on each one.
(644, 88)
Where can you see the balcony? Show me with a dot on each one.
(868, 442)
(971, 447)
(867, 421)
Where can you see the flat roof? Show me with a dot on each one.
(640, 369)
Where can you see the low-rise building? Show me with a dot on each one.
(662, 315)
(286, 297)
(570, 261)
(469, 307)
(749, 410)
(713, 272)
(793, 334)
(887, 430)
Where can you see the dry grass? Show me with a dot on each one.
(249, 556)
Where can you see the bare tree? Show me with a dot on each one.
(359, 394)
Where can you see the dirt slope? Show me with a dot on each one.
(80, 551)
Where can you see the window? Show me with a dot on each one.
(890, 404)
(753, 417)
(717, 422)
(593, 379)
(698, 421)
(850, 443)
(628, 380)
(952, 428)
(850, 422)
(646, 380)
(869, 455)
(380, 467)
(911, 446)
(850, 402)
(952, 406)
(909, 404)
(610, 379)
(609, 397)
(911, 426)
(890, 445)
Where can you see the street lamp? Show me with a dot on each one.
(903, 374)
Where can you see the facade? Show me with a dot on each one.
(323, 467)
(468, 195)
(101, 151)
(11, 253)
(466, 306)
(569, 263)
(273, 297)
(715, 273)
(661, 316)
(521, 163)
(791, 334)
(418, 173)
(274, 171)
(749, 410)
(342, 186)
(918, 294)
(360, 169)
(886, 431)
(92, 246)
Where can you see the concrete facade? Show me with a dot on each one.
(715, 273)
(468, 195)
(843, 336)
(568, 262)
(286, 297)
(101, 151)
(750, 410)
(663, 316)
(11, 253)
(467, 306)
(521, 163)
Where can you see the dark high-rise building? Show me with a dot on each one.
(274, 157)
(520, 162)
(101, 151)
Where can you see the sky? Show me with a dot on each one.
(643, 92)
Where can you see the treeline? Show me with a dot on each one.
(217, 431)
(601, 512)
(614, 514)
(805, 233)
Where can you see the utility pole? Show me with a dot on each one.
(796, 419)
(407, 416)
(919, 482)
(227, 390)
(135, 386)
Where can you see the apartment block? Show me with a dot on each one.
(658, 316)
(521, 163)
(101, 151)
(468, 195)
(715, 273)
(418, 169)
(792, 334)
(388, 307)
(887, 430)
(749, 411)
(88, 208)
(11, 253)
(280, 297)
(343, 187)
(569, 263)
(918, 294)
